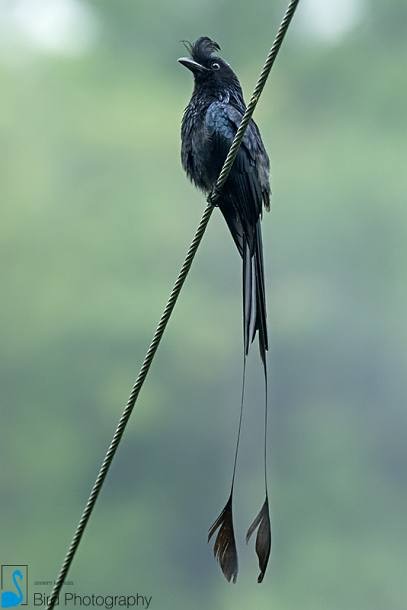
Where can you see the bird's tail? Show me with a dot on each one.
(254, 320)
(254, 298)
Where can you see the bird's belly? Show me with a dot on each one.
(207, 164)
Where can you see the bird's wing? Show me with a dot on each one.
(247, 187)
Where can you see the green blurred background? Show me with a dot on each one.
(96, 215)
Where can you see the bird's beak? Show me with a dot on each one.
(192, 65)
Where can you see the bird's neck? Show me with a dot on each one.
(203, 96)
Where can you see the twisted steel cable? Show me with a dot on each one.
(212, 199)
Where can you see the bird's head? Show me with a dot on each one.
(209, 70)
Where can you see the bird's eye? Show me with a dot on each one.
(215, 66)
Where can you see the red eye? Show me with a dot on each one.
(215, 66)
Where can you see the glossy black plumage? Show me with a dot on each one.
(209, 125)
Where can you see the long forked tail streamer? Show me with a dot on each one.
(231, 156)
(263, 538)
(224, 547)
(254, 319)
(262, 521)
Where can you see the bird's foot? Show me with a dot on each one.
(212, 198)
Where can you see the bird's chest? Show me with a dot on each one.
(197, 152)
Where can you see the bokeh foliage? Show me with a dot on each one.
(96, 215)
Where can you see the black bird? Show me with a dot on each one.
(209, 125)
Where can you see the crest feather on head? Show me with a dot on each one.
(202, 49)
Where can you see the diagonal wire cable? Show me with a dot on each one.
(212, 199)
